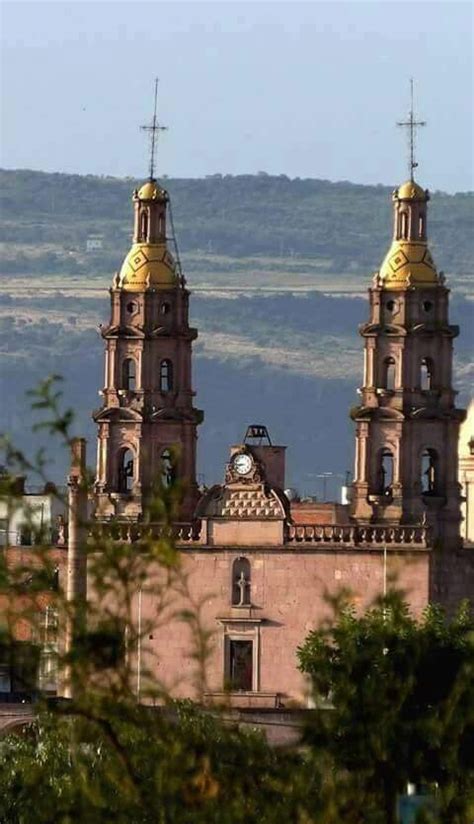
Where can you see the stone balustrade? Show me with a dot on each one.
(131, 533)
(351, 535)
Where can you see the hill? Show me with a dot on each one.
(301, 226)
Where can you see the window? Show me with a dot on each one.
(48, 661)
(241, 582)
(166, 376)
(144, 226)
(125, 470)
(129, 374)
(131, 307)
(390, 305)
(429, 472)
(165, 308)
(426, 377)
(385, 472)
(388, 375)
(427, 305)
(167, 468)
(241, 665)
(421, 227)
(404, 225)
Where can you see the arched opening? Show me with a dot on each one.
(429, 472)
(404, 225)
(125, 470)
(166, 376)
(426, 374)
(389, 374)
(421, 227)
(241, 582)
(144, 226)
(385, 472)
(167, 468)
(129, 374)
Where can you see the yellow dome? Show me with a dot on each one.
(148, 266)
(406, 264)
(410, 191)
(151, 191)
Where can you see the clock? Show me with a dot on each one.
(242, 463)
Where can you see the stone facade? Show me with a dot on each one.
(262, 567)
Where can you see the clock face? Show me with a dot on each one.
(242, 463)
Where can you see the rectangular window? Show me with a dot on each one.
(241, 665)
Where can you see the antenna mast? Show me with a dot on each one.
(411, 125)
(154, 128)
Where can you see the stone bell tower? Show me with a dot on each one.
(147, 423)
(407, 423)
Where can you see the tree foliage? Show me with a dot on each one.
(394, 698)
(402, 701)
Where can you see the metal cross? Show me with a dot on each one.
(411, 124)
(154, 128)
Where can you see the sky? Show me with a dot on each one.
(302, 89)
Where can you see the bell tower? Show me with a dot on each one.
(147, 424)
(407, 423)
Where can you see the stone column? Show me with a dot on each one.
(76, 587)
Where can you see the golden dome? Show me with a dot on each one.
(406, 264)
(148, 266)
(410, 191)
(151, 191)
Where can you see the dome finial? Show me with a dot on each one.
(154, 128)
(411, 125)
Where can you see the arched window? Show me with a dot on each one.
(385, 472)
(426, 377)
(129, 374)
(404, 225)
(166, 376)
(144, 226)
(388, 374)
(167, 468)
(429, 472)
(421, 227)
(125, 470)
(241, 583)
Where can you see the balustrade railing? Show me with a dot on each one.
(374, 535)
(124, 532)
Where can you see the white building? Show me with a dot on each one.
(466, 474)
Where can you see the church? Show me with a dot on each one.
(262, 565)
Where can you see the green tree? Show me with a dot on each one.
(402, 708)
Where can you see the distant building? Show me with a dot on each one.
(31, 516)
(466, 474)
(94, 243)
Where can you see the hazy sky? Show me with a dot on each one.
(304, 89)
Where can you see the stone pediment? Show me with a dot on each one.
(236, 502)
(116, 414)
(374, 329)
(368, 413)
(170, 413)
(122, 332)
(448, 331)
